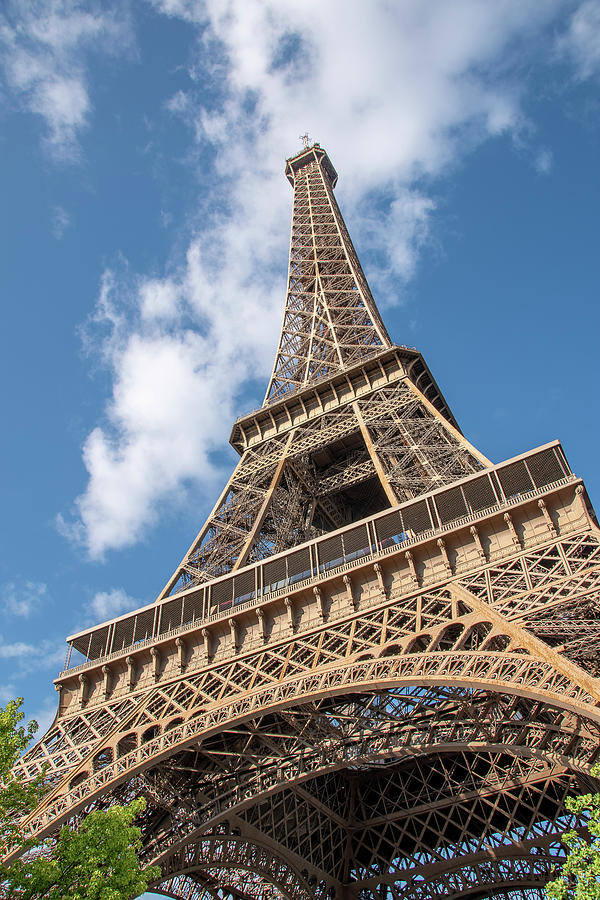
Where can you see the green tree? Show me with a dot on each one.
(580, 874)
(97, 861)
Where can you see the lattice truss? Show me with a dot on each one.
(226, 864)
(428, 826)
(419, 453)
(330, 319)
(329, 471)
(419, 747)
(365, 790)
(324, 475)
(563, 575)
(554, 593)
(370, 801)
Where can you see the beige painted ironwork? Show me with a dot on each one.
(375, 672)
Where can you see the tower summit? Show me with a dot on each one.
(374, 674)
(330, 319)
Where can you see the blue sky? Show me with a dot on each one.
(144, 243)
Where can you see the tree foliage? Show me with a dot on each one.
(96, 861)
(580, 874)
(16, 799)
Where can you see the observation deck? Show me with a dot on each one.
(472, 499)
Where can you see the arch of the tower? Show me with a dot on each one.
(455, 816)
(456, 804)
(528, 865)
(226, 864)
(427, 697)
(374, 784)
(370, 771)
(220, 884)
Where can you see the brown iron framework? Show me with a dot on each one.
(375, 672)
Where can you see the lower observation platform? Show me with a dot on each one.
(497, 489)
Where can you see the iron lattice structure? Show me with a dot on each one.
(375, 672)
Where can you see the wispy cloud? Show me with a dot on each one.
(580, 43)
(106, 604)
(44, 57)
(60, 221)
(22, 598)
(399, 94)
(27, 658)
(543, 161)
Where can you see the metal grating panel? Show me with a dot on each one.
(515, 479)
(143, 626)
(389, 530)
(123, 634)
(193, 607)
(299, 565)
(356, 543)
(331, 553)
(221, 594)
(545, 467)
(479, 494)
(451, 505)
(416, 518)
(244, 586)
(97, 647)
(170, 616)
(274, 575)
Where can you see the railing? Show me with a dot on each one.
(373, 354)
(451, 506)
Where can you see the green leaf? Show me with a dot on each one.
(97, 861)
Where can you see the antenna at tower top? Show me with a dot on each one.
(305, 140)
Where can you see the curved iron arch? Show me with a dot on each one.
(521, 675)
(234, 852)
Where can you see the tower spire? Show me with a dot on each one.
(330, 319)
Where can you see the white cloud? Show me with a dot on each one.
(398, 94)
(398, 236)
(581, 41)
(174, 387)
(44, 48)
(22, 598)
(107, 604)
(178, 103)
(158, 299)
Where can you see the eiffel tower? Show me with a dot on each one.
(375, 673)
